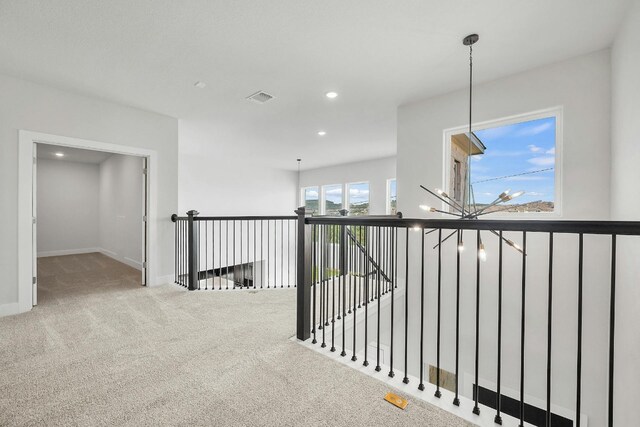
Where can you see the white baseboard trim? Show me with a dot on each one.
(163, 280)
(133, 263)
(68, 252)
(9, 309)
(130, 262)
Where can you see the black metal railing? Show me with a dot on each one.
(235, 252)
(443, 280)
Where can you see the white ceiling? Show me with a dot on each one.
(376, 54)
(47, 151)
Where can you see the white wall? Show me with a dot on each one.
(216, 179)
(121, 208)
(30, 106)
(376, 172)
(67, 207)
(625, 205)
(582, 87)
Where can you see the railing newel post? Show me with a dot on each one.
(192, 248)
(303, 279)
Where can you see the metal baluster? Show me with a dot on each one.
(406, 306)
(206, 259)
(314, 276)
(438, 394)
(288, 253)
(498, 417)
(333, 296)
(456, 400)
(522, 323)
(421, 385)
(379, 308)
(476, 408)
(350, 273)
(220, 254)
(366, 291)
(391, 275)
(262, 261)
(549, 329)
(345, 259)
(323, 289)
(253, 271)
(268, 251)
(612, 325)
(281, 253)
(357, 260)
(579, 356)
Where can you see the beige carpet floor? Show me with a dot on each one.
(100, 349)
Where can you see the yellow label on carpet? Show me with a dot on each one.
(396, 400)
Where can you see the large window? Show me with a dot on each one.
(513, 155)
(358, 193)
(392, 197)
(332, 199)
(311, 199)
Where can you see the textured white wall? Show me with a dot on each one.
(121, 208)
(582, 87)
(625, 205)
(67, 207)
(30, 106)
(376, 172)
(215, 179)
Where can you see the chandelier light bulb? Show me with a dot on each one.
(516, 194)
(439, 191)
(482, 254)
(427, 208)
(460, 246)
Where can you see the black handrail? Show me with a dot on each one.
(622, 228)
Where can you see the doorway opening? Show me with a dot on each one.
(28, 145)
(90, 221)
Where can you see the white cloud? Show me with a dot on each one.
(535, 130)
(526, 178)
(355, 192)
(534, 193)
(542, 161)
(534, 148)
(551, 151)
(336, 191)
(311, 194)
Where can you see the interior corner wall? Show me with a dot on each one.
(376, 172)
(625, 205)
(581, 86)
(121, 209)
(215, 179)
(40, 108)
(67, 207)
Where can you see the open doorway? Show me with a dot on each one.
(90, 228)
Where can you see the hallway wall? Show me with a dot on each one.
(67, 207)
(121, 209)
(31, 106)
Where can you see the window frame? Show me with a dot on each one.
(347, 199)
(388, 197)
(557, 113)
(323, 209)
(304, 200)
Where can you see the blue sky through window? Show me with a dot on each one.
(526, 150)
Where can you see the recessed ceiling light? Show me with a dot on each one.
(60, 154)
(322, 133)
(331, 95)
(200, 85)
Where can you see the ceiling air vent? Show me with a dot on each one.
(260, 97)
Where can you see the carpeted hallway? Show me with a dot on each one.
(102, 350)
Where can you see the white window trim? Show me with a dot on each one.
(388, 197)
(347, 200)
(556, 112)
(304, 200)
(323, 208)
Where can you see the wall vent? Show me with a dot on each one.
(260, 97)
